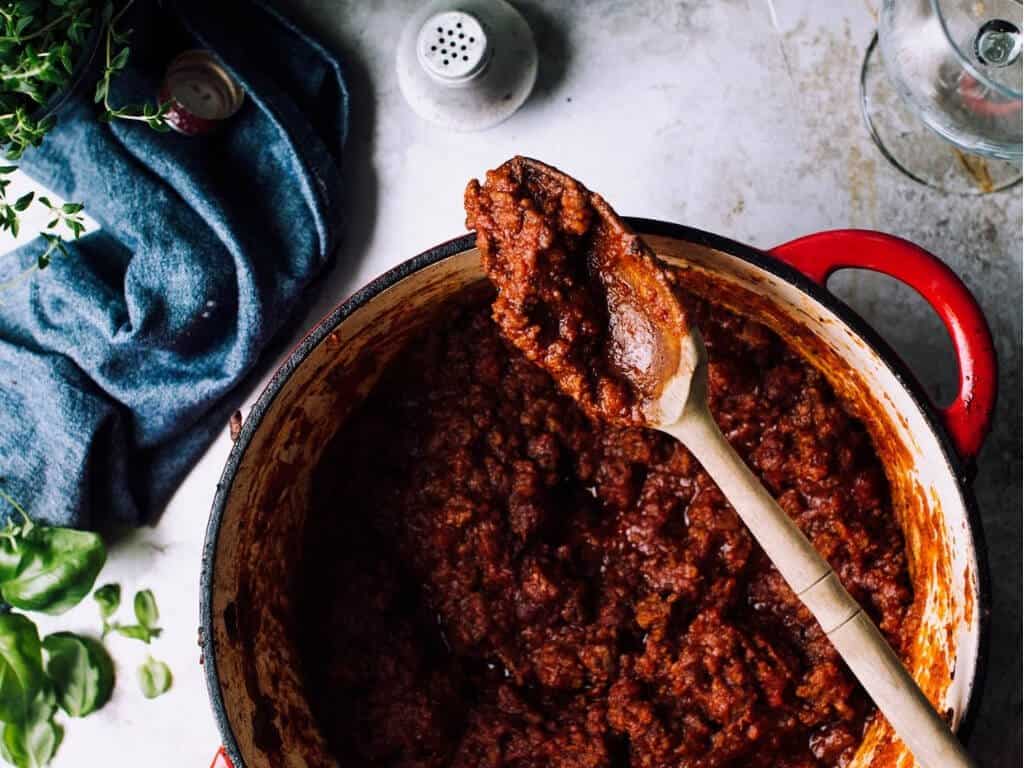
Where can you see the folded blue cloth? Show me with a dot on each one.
(118, 363)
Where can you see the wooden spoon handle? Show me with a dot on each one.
(851, 631)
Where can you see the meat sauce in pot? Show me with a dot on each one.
(493, 579)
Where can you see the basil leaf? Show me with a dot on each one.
(137, 632)
(154, 678)
(145, 608)
(11, 555)
(58, 569)
(32, 742)
(21, 666)
(81, 672)
(108, 597)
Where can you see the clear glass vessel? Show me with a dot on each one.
(941, 91)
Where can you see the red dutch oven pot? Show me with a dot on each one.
(255, 533)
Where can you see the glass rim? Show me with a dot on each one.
(966, 61)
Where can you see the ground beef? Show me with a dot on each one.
(493, 579)
(578, 292)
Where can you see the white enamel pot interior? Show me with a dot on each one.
(255, 534)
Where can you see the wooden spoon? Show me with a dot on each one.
(581, 294)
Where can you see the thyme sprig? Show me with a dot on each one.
(41, 42)
(154, 115)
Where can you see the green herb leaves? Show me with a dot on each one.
(137, 632)
(9, 220)
(146, 614)
(117, 52)
(30, 73)
(57, 569)
(41, 42)
(21, 666)
(29, 736)
(19, 131)
(145, 608)
(48, 569)
(154, 678)
(108, 598)
(45, 569)
(81, 672)
(67, 215)
(32, 741)
(65, 219)
(23, 202)
(65, 669)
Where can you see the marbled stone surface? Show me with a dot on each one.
(730, 116)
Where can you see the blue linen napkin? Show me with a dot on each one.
(117, 364)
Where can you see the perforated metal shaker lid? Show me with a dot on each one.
(466, 65)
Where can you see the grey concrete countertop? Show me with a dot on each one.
(729, 116)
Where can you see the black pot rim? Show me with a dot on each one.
(960, 469)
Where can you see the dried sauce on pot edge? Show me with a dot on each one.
(495, 579)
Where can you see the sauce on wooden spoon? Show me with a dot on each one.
(579, 292)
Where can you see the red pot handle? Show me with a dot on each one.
(819, 255)
(221, 760)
